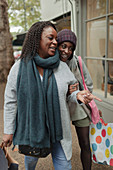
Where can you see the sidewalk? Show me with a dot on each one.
(46, 163)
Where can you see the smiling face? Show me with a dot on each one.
(65, 50)
(48, 42)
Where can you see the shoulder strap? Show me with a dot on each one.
(81, 69)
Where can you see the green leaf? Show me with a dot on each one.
(23, 13)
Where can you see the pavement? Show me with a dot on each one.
(46, 163)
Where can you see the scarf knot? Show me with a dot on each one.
(47, 63)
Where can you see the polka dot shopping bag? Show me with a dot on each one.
(101, 142)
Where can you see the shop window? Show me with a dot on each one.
(111, 6)
(96, 36)
(96, 8)
(110, 49)
(99, 55)
(97, 73)
(63, 22)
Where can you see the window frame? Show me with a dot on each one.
(83, 38)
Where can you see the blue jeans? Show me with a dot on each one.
(59, 160)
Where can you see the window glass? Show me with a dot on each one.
(110, 38)
(96, 70)
(96, 36)
(111, 6)
(110, 72)
(110, 51)
(96, 8)
(96, 46)
(96, 40)
(63, 23)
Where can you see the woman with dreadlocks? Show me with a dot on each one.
(35, 108)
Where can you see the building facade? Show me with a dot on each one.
(92, 22)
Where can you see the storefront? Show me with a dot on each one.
(57, 11)
(95, 35)
(92, 21)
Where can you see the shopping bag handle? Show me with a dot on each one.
(102, 121)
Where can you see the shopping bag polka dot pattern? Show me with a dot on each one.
(101, 142)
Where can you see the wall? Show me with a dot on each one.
(51, 9)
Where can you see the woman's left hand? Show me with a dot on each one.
(73, 88)
(7, 140)
(85, 97)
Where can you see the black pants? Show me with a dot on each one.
(13, 166)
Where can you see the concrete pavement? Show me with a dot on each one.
(46, 163)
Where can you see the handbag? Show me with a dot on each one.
(95, 117)
(101, 142)
(33, 151)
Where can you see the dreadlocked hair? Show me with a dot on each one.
(33, 37)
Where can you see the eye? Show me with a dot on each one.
(70, 48)
(64, 46)
(50, 38)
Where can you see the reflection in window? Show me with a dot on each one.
(111, 6)
(96, 40)
(110, 50)
(96, 36)
(110, 38)
(95, 8)
(97, 45)
(63, 23)
(96, 70)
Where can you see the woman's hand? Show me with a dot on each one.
(7, 140)
(72, 88)
(85, 97)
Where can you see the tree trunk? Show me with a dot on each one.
(6, 49)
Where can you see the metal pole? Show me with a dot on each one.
(72, 14)
(106, 54)
(25, 19)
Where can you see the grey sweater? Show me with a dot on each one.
(64, 77)
(78, 112)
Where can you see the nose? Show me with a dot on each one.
(54, 41)
(66, 50)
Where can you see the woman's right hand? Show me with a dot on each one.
(7, 140)
(85, 97)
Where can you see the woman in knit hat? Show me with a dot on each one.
(80, 119)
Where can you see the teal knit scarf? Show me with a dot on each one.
(38, 120)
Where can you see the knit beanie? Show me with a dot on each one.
(66, 35)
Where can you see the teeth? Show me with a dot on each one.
(53, 48)
(64, 56)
